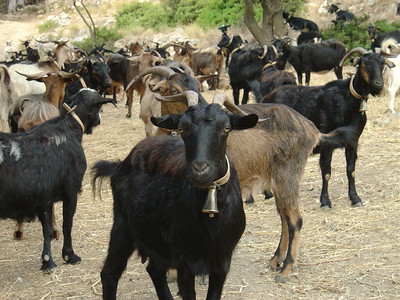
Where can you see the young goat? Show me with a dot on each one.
(48, 164)
(178, 203)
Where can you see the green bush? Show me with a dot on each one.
(103, 35)
(142, 14)
(355, 33)
(352, 34)
(218, 12)
(49, 25)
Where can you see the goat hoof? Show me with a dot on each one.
(56, 235)
(281, 279)
(72, 259)
(18, 235)
(357, 204)
(249, 200)
(325, 208)
(268, 195)
(48, 266)
(128, 116)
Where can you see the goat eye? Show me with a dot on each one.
(227, 129)
(180, 130)
(174, 92)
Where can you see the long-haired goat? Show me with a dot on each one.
(48, 164)
(161, 191)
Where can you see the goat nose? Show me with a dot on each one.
(378, 82)
(200, 167)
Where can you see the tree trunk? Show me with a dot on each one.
(271, 24)
(92, 28)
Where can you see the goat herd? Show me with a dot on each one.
(178, 194)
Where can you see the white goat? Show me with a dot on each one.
(391, 50)
(14, 85)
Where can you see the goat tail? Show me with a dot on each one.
(101, 170)
(346, 136)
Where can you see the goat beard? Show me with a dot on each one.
(376, 91)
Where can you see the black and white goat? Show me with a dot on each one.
(47, 165)
(338, 103)
(178, 202)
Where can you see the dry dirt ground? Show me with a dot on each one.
(345, 253)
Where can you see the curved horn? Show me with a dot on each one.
(359, 50)
(224, 100)
(275, 51)
(191, 97)
(160, 70)
(265, 51)
(35, 76)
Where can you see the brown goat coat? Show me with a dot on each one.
(284, 142)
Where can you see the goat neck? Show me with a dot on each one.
(70, 111)
(355, 84)
(210, 206)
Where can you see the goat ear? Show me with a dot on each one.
(6, 76)
(167, 122)
(243, 122)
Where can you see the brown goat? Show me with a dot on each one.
(123, 70)
(205, 61)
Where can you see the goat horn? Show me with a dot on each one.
(265, 51)
(191, 97)
(160, 70)
(224, 100)
(359, 50)
(34, 76)
(275, 51)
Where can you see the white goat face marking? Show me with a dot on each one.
(15, 150)
(60, 139)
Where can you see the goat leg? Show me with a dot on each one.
(217, 280)
(294, 223)
(186, 283)
(325, 160)
(351, 157)
(159, 278)
(69, 207)
(48, 264)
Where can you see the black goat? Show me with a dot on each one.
(94, 73)
(299, 23)
(47, 165)
(338, 103)
(378, 38)
(271, 78)
(342, 16)
(231, 44)
(309, 37)
(245, 69)
(161, 194)
(307, 58)
(31, 54)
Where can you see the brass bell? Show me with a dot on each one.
(210, 206)
(363, 106)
